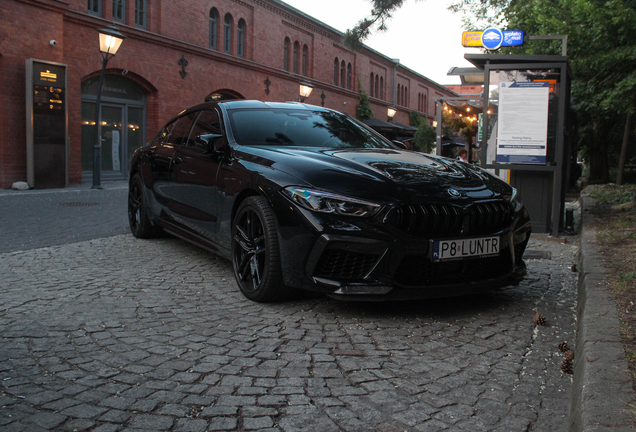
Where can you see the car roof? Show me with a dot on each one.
(253, 104)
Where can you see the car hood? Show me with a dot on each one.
(379, 174)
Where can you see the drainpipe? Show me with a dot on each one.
(397, 63)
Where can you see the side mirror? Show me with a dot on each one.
(399, 144)
(206, 142)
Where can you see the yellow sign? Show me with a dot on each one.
(472, 39)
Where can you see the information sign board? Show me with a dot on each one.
(523, 122)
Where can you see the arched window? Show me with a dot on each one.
(336, 64)
(424, 107)
(349, 76)
(343, 65)
(214, 21)
(382, 88)
(227, 34)
(377, 86)
(305, 59)
(406, 96)
(399, 94)
(286, 54)
(371, 86)
(240, 38)
(295, 58)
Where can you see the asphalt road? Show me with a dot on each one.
(104, 332)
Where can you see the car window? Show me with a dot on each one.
(302, 128)
(206, 129)
(177, 132)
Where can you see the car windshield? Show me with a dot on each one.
(301, 128)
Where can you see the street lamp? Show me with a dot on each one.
(109, 41)
(305, 90)
(390, 112)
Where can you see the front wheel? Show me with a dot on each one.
(255, 251)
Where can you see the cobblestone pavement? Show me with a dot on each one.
(119, 334)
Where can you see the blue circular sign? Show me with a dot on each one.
(492, 38)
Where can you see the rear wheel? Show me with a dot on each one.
(140, 224)
(256, 252)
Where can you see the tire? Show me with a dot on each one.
(256, 252)
(140, 224)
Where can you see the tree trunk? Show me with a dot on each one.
(623, 158)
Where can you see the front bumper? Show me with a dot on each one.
(366, 260)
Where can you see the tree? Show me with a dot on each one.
(424, 138)
(363, 109)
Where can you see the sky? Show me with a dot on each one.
(423, 35)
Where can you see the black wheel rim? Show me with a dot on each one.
(250, 250)
(134, 206)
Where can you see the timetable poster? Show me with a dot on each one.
(522, 131)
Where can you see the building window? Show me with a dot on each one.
(399, 95)
(382, 88)
(377, 86)
(286, 54)
(371, 85)
(406, 96)
(119, 10)
(214, 22)
(305, 59)
(140, 13)
(424, 107)
(227, 34)
(295, 58)
(349, 76)
(336, 65)
(240, 38)
(343, 65)
(95, 7)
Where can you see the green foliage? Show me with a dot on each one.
(424, 139)
(363, 109)
(611, 194)
(414, 118)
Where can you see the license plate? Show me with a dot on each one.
(465, 248)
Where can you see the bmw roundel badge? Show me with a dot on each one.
(454, 193)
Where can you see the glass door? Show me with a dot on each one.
(114, 161)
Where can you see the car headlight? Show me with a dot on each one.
(326, 202)
(515, 199)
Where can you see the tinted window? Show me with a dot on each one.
(177, 132)
(206, 129)
(301, 128)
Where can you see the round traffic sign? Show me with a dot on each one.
(492, 38)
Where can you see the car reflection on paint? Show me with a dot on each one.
(303, 197)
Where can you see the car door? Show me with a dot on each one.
(162, 160)
(196, 171)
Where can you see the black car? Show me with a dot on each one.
(299, 196)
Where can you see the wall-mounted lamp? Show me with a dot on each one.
(305, 90)
(434, 123)
(390, 112)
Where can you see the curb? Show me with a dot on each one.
(602, 387)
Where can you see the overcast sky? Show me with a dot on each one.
(425, 36)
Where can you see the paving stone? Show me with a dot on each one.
(131, 343)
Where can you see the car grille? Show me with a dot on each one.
(439, 220)
(340, 264)
(418, 270)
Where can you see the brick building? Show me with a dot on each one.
(177, 54)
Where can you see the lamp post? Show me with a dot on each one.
(305, 90)
(390, 112)
(109, 41)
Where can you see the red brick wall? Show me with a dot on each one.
(150, 57)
